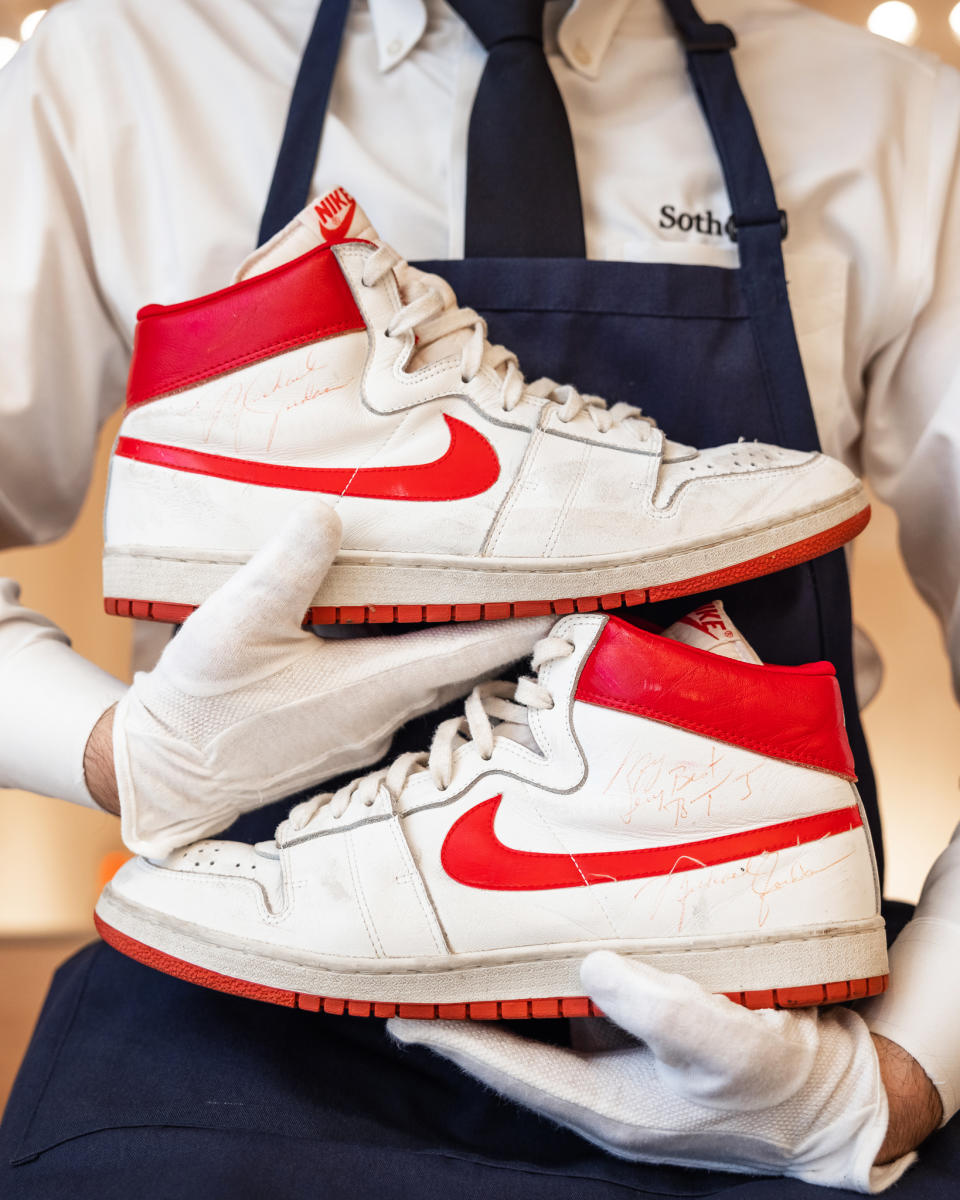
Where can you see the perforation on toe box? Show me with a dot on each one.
(231, 860)
(736, 459)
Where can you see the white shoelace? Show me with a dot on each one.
(497, 701)
(434, 314)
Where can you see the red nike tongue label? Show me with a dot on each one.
(710, 620)
(335, 213)
(336, 217)
(709, 628)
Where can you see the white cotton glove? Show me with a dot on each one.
(708, 1083)
(245, 706)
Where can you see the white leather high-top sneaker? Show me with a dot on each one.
(689, 808)
(329, 365)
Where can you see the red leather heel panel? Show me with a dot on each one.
(182, 344)
(790, 713)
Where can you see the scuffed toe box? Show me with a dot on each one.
(751, 481)
(218, 885)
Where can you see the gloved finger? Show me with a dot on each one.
(450, 657)
(707, 1048)
(513, 1065)
(440, 1035)
(367, 688)
(468, 654)
(612, 1098)
(271, 593)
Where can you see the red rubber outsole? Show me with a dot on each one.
(386, 614)
(479, 1010)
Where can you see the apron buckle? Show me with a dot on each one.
(731, 227)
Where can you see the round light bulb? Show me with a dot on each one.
(954, 20)
(894, 20)
(8, 48)
(30, 22)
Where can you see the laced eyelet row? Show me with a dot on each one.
(496, 701)
(433, 315)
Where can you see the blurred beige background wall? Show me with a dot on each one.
(50, 852)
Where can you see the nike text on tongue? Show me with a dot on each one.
(709, 627)
(336, 211)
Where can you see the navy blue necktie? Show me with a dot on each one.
(523, 197)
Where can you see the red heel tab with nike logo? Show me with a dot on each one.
(790, 713)
(179, 345)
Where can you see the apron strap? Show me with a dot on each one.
(731, 125)
(290, 186)
(759, 224)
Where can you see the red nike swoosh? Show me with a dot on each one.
(333, 234)
(469, 466)
(472, 853)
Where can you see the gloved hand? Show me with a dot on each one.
(245, 706)
(701, 1082)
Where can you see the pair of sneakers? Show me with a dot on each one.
(665, 795)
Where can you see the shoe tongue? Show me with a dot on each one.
(709, 628)
(333, 217)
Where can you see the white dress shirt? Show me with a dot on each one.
(138, 142)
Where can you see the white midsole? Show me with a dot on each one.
(357, 578)
(808, 956)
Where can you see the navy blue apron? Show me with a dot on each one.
(137, 1084)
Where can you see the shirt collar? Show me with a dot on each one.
(397, 26)
(584, 35)
(586, 32)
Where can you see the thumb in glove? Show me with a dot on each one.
(253, 624)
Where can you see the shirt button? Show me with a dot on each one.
(395, 46)
(582, 54)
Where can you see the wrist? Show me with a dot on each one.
(914, 1103)
(98, 766)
